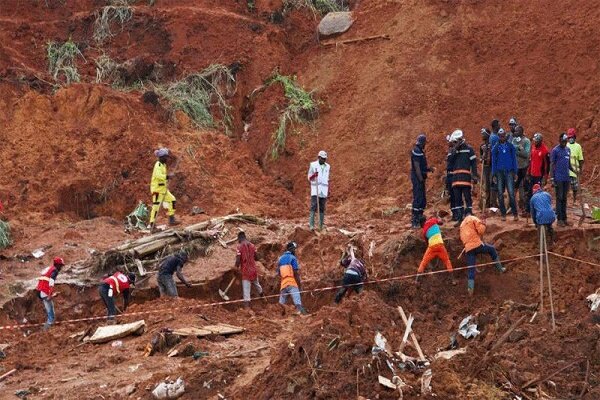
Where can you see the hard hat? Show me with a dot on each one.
(537, 137)
(485, 132)
(421, 139)
(291, 246)
(456, 135)
(162, 152)
(512, 121)
(501, 132)
(323, 154)
(58, 261)
(536, 187)
(571, 133)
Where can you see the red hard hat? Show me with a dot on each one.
(58, 261)
(571, 133)
(536, 187)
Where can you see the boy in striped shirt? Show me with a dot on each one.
(436, 248)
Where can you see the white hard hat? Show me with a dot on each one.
(323, 154)
(456, 135)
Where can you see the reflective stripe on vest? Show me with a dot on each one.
(45, 278)
(116, 283)
(287, 276)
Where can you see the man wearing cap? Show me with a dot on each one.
(539, 166)
(418, 177)
(463, 163)
(486, 161)
(245, 260)
(504, 169)
(512, 123)
(159, 189)
(45, 287)
(576, 161)
(560, 167)
(523, 150)
(288, 271)
(542, 214)
(171, 265)
(117, 283)
(318, 176)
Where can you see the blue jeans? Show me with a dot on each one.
(472, 257)
(506, 180)
(49, 307)
(294, 293)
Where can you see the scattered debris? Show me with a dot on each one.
(412, 335)
(197, 210)
(386, 382)
(218, 329)
(22, 393)
(169, 390)
(117, 343)
(106, 334)
(38, 253)
(594, 300)
(426, 382)
(200, 354)
(138, 218)
(335, 22)
(381, 345)
(183, 350)
(468, 329)
(128, 390)
(334, 343)
(448, 354)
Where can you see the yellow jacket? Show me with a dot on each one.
(158, 184)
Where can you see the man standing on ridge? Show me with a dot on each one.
(486, 173)
(463, 163)
(539, 166)
(245, 260)
(523, 150)
(159, 189)
(45, 287)
(418, 177)
(318, 176)
(504, 169)
(560, 167)
(576, 162)
(115, 284)
(494, 139)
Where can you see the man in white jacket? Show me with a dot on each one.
(318, 176)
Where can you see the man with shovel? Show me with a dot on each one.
(171, 265)
(318, 176)
(245, 260)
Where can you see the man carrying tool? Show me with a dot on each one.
(539, 166)
(45, 287)
(504, 169)
(418, 177)
(355, 274)
(471, 232)
(245, 260)
(171, 265)
(576, 162)
(542, 213)
(560, 168)
(289, 272)
(318, 176)
(486, 171)
(436, 248)
(463, 163)
(523, 151)
(160, 191)
(115, 284)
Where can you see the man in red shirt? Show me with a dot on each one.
(115, 284)
(45, 287)
(539, 166)
(246, 260)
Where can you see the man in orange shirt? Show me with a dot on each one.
(289, 272)
(471, 231)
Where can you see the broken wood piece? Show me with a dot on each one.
(192, 331)
(504, 337)
(448, 354)
(111, 332)
(412, 335)
(218, 329)
(533, 317)
(386, 382)
(407, 331)
(356, 40)
(6, 375)
(534, 382)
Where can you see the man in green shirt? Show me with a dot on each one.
(576, 161)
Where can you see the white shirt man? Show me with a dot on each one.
(318, 176)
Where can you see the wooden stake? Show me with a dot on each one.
(6, 375)
(412, 335)
(549, 281)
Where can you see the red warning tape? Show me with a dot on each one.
(316, 290)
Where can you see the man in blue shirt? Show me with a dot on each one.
(560, 165)
(288, 271)
(418, 177)
(542, 213)
(504, 170)
(171, 265)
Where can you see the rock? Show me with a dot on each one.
(170, 390)
(335, 22)
(197, 210)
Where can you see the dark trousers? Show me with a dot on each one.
(465, 207)
(520, 186)
(472, 257)
(109, 301)
(486, 177)
(532, 181)
(419, 199)
(562, 189)
(349, 279)
(452, 198)
(313, 210)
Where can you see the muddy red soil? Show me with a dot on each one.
(78, 159)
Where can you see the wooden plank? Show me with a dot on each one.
(412, 335)
(107, 333)
(192, 331)
(224, 329)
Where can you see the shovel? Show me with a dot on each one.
(223, 293)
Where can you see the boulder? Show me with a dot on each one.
(335, 22)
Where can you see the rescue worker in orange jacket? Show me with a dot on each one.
(45, 287)
(471, 231)
(289, 272)
(117, 283)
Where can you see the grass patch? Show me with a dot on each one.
(198, 94)
(302, 108)
(5, 236)
(61, 61)
(118, 12)
(316, 6)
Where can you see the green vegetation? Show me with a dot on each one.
(316, 6)
(301, 108)
(197, 94)
(61, 61)
(118, 11)
(5, 237)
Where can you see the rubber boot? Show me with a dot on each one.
(152, 227)
(321, 221)
(471, 286)
(500, 267)
(302, 310)
(311, 221)
(415, 220)
(459, 217)
(173, 221)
